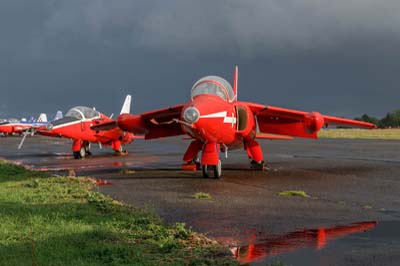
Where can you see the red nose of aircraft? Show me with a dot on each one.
(210, 118)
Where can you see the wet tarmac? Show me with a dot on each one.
(352, 216)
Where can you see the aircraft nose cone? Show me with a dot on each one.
(191, 115)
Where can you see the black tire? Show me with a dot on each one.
(257, 165)
(76, 154)
(217, 170)
(204, 168)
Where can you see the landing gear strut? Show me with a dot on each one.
(118, 148)
(190, 157)
(255, 154)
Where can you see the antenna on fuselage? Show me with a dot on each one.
(235, 81)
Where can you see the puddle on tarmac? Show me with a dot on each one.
(317, 246)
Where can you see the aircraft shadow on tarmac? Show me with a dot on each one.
(142, 173)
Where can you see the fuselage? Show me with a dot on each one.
(18, 127)
(78, 126)
(220, 121)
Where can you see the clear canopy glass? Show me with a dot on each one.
(213, 85)
(82, 112)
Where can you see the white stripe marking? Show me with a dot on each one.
(227, 119)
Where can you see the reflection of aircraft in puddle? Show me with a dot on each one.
(316, 239)
(77, 125)
(216, 121)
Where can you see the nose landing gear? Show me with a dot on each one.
(210, 160)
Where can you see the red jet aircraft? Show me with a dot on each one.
(217, 121)
(14, 126)
(77, 125)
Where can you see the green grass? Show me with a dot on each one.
(294, 193)
(47, 220)
(386, 134)
(127, 172)
(202, 195)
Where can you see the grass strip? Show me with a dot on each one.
(47, 220)
(384, 134)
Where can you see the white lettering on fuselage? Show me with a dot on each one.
(227, 119)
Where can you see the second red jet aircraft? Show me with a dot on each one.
(77, 125)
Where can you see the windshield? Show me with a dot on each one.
(82, 112)
(213, 85)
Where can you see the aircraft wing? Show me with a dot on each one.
(105, 126)
(273, 137)
(162, 122)
(282, 121)
(155, 124)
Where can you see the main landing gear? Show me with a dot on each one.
(210, 164)
(118, 148)
(255, 154)
(257, 165)
(80, 149)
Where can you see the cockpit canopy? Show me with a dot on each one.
(213, 85)
(82, 112)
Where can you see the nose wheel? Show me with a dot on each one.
(215, 169)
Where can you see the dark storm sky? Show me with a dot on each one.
(339, 57)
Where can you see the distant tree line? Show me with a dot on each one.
(391, 119)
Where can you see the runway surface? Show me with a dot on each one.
(352, 216)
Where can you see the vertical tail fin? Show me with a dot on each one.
(126, 108)
(42, 118)
(235, 82)
(59, 115)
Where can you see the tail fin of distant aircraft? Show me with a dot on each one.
(126, 108)
(59, 115)
(42, 118)
(235, 81)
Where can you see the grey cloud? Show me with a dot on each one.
(249, 27)
(337, 56)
